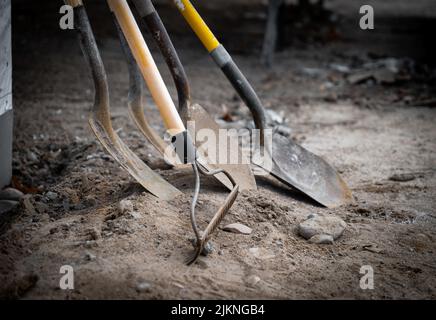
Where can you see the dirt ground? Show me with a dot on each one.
(381, 137)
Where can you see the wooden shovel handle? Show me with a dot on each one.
(74, 3)
(148, 67)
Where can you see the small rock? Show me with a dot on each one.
(238, 228)
(340, 68)
(322, 239)
(54, 230)
(254, 251)
(89, 256)
(51, 195)
(252, 280)
(94, 234)
(274, 117)
(402, 177)
(90, 244)
(11, 194)
(311, 216)
(125, 206)
(136, 215)
(320, 225)
(283, 130)
(372, 248)
(7, 206)
(143, 286)
(208, 248)
(32, 157)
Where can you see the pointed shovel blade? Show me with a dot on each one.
(299, 168)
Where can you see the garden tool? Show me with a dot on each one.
(180, 138)
(291, 163)
(194, 113)
(100, 120)
(136, 97)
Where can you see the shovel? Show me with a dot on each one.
(291, 163)
(194, 113)
(181, 140)
(100, 120)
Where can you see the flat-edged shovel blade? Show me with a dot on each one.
(241, 172)
(307, 172)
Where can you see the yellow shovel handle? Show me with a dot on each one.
(148, 67)
(197, 24)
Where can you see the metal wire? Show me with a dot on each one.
(202, 237)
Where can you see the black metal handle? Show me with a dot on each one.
(160, 35)
(247, 93)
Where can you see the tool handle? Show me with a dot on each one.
(92, 56)
(148, 67)
(223, 59)
(74, 3)
(197, 24)
(159, 33)
(242, 87)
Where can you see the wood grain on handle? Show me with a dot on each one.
(148, 67)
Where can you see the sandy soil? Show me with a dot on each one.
(70, 215)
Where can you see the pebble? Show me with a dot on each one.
(51, 195)
(322, 239)
(7, 206)
(238, 228)
(94, 234)
(125, 206)
(208, 248)
(252, 280)
(11, 194)
(402, 177)
(143, 286)
(89, 256)
(31, 156)
(320, 225)
(136, 215)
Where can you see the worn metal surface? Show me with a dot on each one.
(6, 115)
(298, 167)
(100, 120)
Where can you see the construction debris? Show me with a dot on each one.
(238, 228)
(321, 226)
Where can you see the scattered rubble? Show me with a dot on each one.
(11, 194)
(143, 286)
(125, 206)
(238, 228)
(323, 227)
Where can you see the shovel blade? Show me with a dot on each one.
(241, 173)
(129, 161)
(307, 172)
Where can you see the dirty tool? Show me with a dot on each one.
(100, 120)
(289, 162)
(180, 138)
(194, 113)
